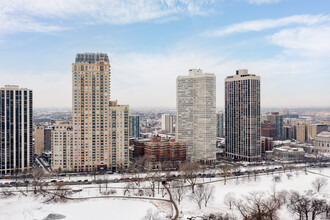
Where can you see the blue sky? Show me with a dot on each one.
(150, 43)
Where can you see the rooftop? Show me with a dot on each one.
(90, 57)
(325, 134)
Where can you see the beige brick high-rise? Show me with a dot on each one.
(119, 120)
(92, 145)
(39, 139)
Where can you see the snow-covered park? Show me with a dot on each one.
(128, 200)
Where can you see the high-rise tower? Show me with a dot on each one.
(220, 127)
(167, 123)
(196, 114)
(134, 126)
(95, 123)
(16, 151)
(242, 116)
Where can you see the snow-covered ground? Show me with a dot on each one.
(29, 207)
(243, 186)
(22, 207)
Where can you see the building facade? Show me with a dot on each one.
(62, 151)
(167, 123)
(268, 129)
(100, 128)
(220, 125)
(277, 119)
(134, 126)
(42, 139)
(242, 116)
(39, 139)
(322, 142)
(289, 132)
(119, 136)
(196, 114)
(158, 150)
(266, 144)
(16, 147)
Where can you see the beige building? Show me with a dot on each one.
(100, 128)
(94, 119)
(119, 120)
(39, 139)
(311, 132)
(305, 132)
(322, 142)
(61, 136)
(300, 133)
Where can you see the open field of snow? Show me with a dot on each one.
(21, 207)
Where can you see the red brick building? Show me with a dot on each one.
(158, 150)
(268, 129)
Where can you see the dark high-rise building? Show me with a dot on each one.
(220, 125)
(277, 119)
(242, 116)
(16, 150)
(134, 126)
(47, 139)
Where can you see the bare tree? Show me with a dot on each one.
(257, 206)
(198, 195)
(178, 190)
(208, 193)
(128, 187)
(189, 172)
(151, 215)
(59, 194)
(306, 207)
(230, 199)
(6, 192)
(289, 175)
(319, 183)
(37, 176)
(152, 179)
(225, 172)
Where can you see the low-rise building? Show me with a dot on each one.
(266, 144)
(286, 153)
(322, 142)
(158, 151)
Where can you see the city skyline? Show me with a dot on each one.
(150, 44)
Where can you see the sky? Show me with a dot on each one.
(150, 43)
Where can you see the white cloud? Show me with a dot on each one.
(309, 41)
(25, 24)
(259, 2)
(265, 24)
(42, 16)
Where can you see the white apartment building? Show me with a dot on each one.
(242, 116)
(196, 114)
(167, 123)
(62, 151)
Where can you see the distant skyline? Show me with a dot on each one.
(150, 43)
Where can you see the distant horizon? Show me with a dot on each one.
(169, 107)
